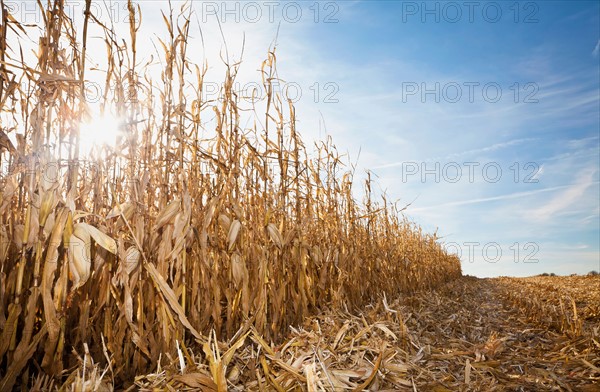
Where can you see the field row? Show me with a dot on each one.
(464, 336)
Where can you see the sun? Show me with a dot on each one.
(99, 130)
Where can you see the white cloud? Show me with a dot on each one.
(471, 152)
(596, 49)
(538, 174)
(566, 199)
(515, 195)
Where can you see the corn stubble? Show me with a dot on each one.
(182, 232)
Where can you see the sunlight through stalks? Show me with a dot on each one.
(167, 219)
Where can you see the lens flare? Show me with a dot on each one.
(98, 131)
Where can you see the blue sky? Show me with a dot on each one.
(548, 131)
(512, 132)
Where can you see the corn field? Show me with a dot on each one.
(194, 224)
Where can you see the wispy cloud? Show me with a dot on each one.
(514, 195)
(596, 50)
(493, 147)
(475, 151)
(570, 196)
(538, 174)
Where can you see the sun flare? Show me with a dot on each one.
(99, 130)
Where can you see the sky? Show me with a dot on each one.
(482, 117)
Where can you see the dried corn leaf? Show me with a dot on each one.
(198, 381)
(99, 237)
(224, 222)
(132, 259)
(168, 214)
(275, 235)
(169, 295)
(233, 233)
(80, 262)
(126, 209)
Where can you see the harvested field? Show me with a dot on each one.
(468, 335)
